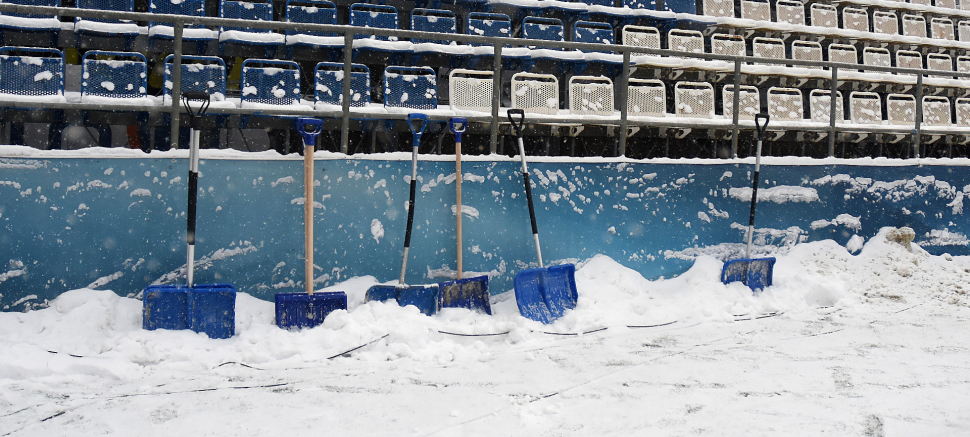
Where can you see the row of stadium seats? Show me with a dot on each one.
(38, 75)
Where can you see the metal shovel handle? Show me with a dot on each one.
(761, 127)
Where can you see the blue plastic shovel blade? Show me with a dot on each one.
(756, 273)
(424, 297)
(212, 310)
(544, 294)
(470, 293)
(560, 289)
(302, 310)
(530, 297)
(165, 307)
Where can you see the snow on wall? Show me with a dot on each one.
(115, 220)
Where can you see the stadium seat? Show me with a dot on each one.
(820, 106)
(876, 57)
(914, 25)
(115, 78)
(195, 38)
(909, 59)
(31, 74)
(646, 98)
(939, 62)
(963, 28)
(941, 28)
(97, 33)
(328, 85)
(687, 7)
(694, 100)
(885, 22)
(683, 40)
(806, 51)
(548, 29)
(591, 95)
(644, 4)
(727, 44)
(430, 51)
(641, 36)
(471, 90)
(492, 25)
(844, 53)
(270, 82)
(749, 101)
(771, 48)
(963, 111)
(535, 93)
(199, 74)
(374, 16)
(759, 10)
(855, 18)
(785, 104)
(410, 87)
(307, 42)
(963, 64)
(594, 33)
(823, 15)
(790, 12)
(717, 8)
(936, 111)
(248, 41)
(22, 29)
(900, 109)
(865, 108)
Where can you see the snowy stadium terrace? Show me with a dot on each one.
(898, 71)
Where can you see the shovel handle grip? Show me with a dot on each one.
(420, 130)
(761, 127)
(194, 115)
(309, 128)
(516, 124)
(458, 126)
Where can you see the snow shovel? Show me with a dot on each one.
(424, 297)
(208, 308)
(545, 293)
(756, 273)
(307, 309)
(470, 293)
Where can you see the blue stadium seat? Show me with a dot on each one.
(314, 12)
(199, 74)
(594, 33)
(608, 3)
(641, 4)
(253, 10)
(410, 87)
(548, 29)
(270, 82)
(488, 24)
(328, 84)
(115, 77)
(377, 16)
(31, 74)
(433, 20)
(191, 33)
(105, 33)
(22, 27)
(124, 76)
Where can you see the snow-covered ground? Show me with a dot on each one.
(868, 344)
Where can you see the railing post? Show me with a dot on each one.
(624, 104)
(917, 129)
(736, 129)
(496, 97)
(345, 104)
(832, 109)
(176, 83)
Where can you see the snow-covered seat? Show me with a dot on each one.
(591, 95)
(410, 87)
(963, 29)
(118, 76)
(593, 32)
(900, 109)
(719, 8)
(790, 12)
(31, 74)
(936, 111)
(471, 90)
(191, 33)
(824, 15)
(726, 44)
(270, 82)
(641, 36)
(820, 101)
(885, 22)
(942, 28)
(914, 25)
(806, 51)
(328, 84)
(785, 104)
(535, 93)
(749, 101)
(854, 18)
(101, 32)
(25, 26)
(939, 62)
(876, 57)
(265, 42)
(205, 74)
(759, 10)
(646, 97)
(963, 111)
(865, 107)
(694, 99)
(433, 20)
(310, 12)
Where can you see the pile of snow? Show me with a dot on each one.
(92, 323)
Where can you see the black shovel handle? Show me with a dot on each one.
(195, 115)
(516, 125)
(761, 127)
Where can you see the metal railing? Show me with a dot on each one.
(625, 56)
